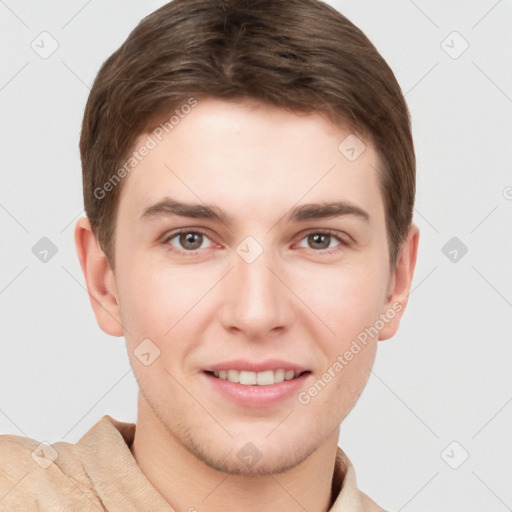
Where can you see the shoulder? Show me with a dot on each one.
(368, 505)
(41, 475)
(350, 496)
(15, 457)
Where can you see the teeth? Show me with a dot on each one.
(233, 375)
(247, 378)
(278, 376)
(288, 374)
(265, 378)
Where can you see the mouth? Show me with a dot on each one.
(250, 385)
(252, 378)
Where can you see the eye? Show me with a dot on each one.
(188, 240)
(192, 240)
(321, 240)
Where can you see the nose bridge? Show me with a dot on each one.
(256, 301)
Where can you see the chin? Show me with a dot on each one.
(251, 461)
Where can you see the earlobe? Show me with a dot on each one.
(396, 302)
(99, 279)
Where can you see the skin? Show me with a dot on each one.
(296, 301)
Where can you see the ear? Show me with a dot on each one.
(99, 279)
(398, 292)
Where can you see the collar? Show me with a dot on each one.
(106, 446)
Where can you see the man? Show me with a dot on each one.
(249, 180)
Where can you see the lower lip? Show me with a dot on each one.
(257, 396)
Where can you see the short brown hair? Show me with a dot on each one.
(299, 55)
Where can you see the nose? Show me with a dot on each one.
(256, 301)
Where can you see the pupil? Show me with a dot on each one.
(318, 239)
(189, 239)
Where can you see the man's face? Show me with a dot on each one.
(259, 286)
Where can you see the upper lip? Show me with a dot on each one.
(253, 366)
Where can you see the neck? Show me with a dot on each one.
(189, 485)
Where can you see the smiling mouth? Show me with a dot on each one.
(249, 378)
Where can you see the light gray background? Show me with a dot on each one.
(446, 376)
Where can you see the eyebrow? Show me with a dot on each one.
(311, 211)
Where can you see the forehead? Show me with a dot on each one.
(252, 159)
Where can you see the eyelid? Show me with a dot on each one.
(339, 235)
(179, 231)
(342, 242)
(173, 234)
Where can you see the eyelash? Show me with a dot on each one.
(342, 243)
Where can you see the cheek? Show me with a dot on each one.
(163, 302)
(156, 309)
(345, 300)
(352, 303)
(333, 394)
(349, 305)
